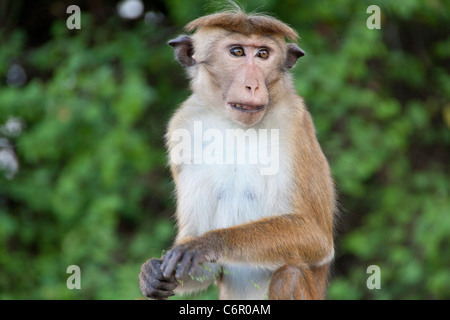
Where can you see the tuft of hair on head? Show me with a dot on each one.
(235, 19)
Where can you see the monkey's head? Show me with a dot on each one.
(238, 63)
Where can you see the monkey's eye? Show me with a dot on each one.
(237, 51)
(263, 54)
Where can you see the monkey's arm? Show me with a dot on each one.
(276, 239)
(269, 241)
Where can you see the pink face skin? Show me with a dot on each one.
(251, 60)
(245, 66)
(248, 95)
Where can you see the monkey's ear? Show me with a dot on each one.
(184, 50)
(293, 53)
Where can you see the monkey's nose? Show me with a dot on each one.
(252, 88)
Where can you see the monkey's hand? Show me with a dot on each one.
(188, 255)
(153, 283)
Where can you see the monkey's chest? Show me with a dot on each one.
(212, 196)
(240, 195)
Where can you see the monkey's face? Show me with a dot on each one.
(243, 69)
(248, 64)
(236, 73)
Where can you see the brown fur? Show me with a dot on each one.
(247, 24)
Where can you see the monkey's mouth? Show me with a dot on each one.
(246, 107)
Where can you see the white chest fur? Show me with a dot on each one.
(221, 184)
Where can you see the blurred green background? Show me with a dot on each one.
(83, 174)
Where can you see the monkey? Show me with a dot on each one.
(256, 235)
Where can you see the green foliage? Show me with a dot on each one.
(92, 176)
(93, 189)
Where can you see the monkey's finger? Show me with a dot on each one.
(171, 262)
(145, 286)
(156, 269)
(158, 294)
(155, 289)
(153, 267)
(149, 280)
(167, 286)
(184, 265)
(194, 265)
(164, 259)
(163, 285)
